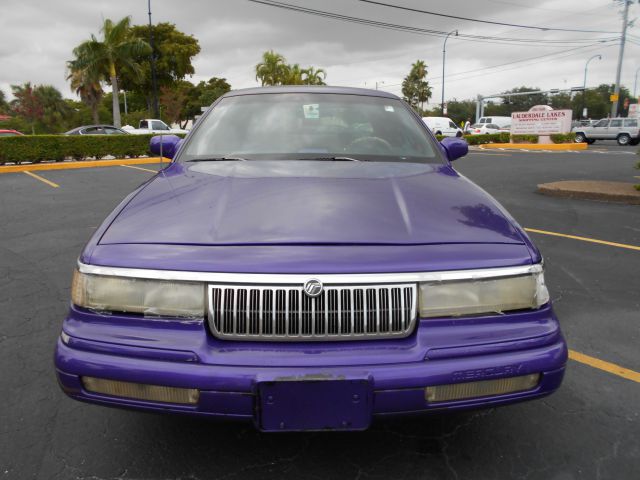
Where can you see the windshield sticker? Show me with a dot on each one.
(311, 111)
(388, 108)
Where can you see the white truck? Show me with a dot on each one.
(152, 125)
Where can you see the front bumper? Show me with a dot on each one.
(233, 391)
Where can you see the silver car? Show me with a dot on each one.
(625, 130)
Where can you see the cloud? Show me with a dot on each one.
(36, 39)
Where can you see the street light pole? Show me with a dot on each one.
(444, 57)
(616, 91)
(584, 85)
(154, 85)
(635, 83)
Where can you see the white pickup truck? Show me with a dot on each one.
(152, 125)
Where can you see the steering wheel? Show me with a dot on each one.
(370, 145)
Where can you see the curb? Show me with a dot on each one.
(604, 191)
(536, 146)
(80, 164)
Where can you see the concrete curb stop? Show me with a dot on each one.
(619, 192)
(536, 146)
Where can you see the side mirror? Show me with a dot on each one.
(455, 147)
(165, 145)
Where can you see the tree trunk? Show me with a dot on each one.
(94, 113)
(116, 100)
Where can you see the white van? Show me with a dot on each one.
(442, 126)
(499, 121)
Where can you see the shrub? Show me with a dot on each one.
(487, 138)
(563, 137)
(38, 148)
(524, 138)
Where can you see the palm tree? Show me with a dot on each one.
(118, 49)
(272, 70)
(294, 75)
(86, 84)
(313, 76)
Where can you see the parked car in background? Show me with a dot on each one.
(483, 129)
(9, 133)
(499, 121)
(626, 131)
(96, 130)
(153, 125)
(310, 259)
(442, 126)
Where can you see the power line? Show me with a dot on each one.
(566, 53)
(428, 32)
(531, 27)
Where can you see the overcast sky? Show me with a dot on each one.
(37, 37)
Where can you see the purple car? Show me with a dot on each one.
(308, 261)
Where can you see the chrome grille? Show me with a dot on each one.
(286, 313)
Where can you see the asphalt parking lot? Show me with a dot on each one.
(589, 429)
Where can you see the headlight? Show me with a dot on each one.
(138, 295)
(483, 295)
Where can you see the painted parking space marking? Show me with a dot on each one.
(140, 168)
(605, 366)
(42, 179)
(584, 239)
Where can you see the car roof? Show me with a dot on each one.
(311, 89)
(98, 125)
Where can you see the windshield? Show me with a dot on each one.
(292, 126)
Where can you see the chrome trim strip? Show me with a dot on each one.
(331, 279)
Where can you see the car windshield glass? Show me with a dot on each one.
(8, 134)
(299, 126)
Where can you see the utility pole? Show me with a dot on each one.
(444, 57)
(635, 83)
(154, 84)
(623, 39)
(584, 85)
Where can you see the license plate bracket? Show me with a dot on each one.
(311, 405)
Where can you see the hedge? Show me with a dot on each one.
(482, 139)
(563, 137)
(524, 138)
(38, 148)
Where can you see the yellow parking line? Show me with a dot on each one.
(605, 366)
(584, 239)
(38, 177)
(140, 168)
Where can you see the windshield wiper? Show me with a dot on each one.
(217, 159)
(332, 159)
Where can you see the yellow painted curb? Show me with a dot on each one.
(80, 164)
(536, 146)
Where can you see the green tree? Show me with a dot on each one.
(4, 105)
(314, 76)
(460, 110)
(86, 83)
(27, 104)
(273, 69)
(56, 110)
(118, 50)
(415, 87)
(209, 91)
(173, 51)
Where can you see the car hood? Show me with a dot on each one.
(310, 203)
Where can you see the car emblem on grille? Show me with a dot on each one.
(313, 288)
